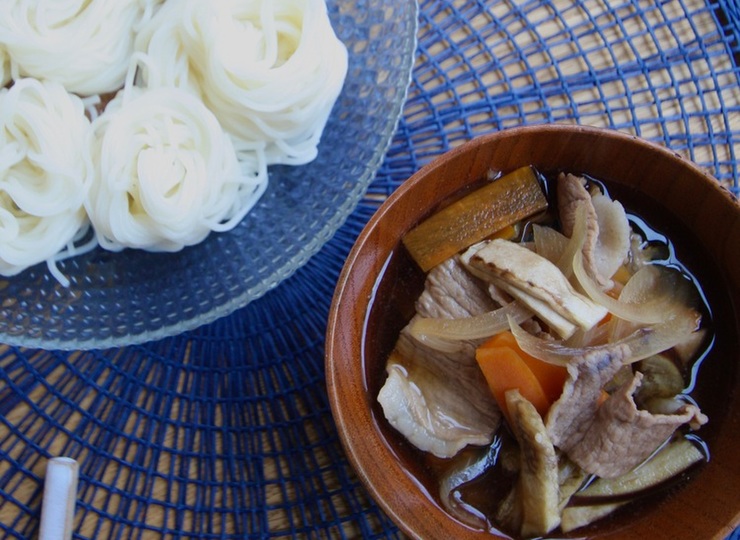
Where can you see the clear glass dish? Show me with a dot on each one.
(118, 299)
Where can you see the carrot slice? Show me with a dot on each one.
(551, 377)
(505, 366)
(505, 370)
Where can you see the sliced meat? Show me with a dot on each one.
(622, 436)
(570, 417)
(439, 399)
(439, 402)
(607, 243)
(451, 292)
(571, 192)
(537, 485)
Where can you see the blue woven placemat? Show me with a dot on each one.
(226, 432)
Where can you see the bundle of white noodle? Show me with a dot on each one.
(270, 70)
(83, 44)
(166, 174)
(43, 173)
(4, 66)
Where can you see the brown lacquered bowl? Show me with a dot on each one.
(375, 293)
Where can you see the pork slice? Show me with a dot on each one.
(570, 417)
(622, 436)
(439, 401)
(571, 193)
(608, 232)
(451, 292)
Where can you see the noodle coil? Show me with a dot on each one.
(166, 174)
(44, 173)
(4, 66)
(83, 44)
(270, 70)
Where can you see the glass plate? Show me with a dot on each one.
(118, 299)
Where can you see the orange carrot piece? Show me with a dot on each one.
(551, 377)
(507, 233)
(606, 319)
(505, 370)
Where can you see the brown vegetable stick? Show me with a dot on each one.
(475, 217)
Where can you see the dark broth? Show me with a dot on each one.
(709, 380)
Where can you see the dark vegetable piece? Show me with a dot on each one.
(672, 459)
(608, 494)
(475, 217)
(661, 378)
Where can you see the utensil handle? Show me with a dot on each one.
(60, 497)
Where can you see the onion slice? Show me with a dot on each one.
(446, 346)
(463, 470)
(548, 242)
(575, 243)
(468, 328)
(643, 342)
(655, 310)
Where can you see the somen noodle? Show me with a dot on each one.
(270, 71)
(44, 176)
(166, 174)
(158, 120)
(4, 66)
(84, 45)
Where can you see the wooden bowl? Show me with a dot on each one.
(376, 290)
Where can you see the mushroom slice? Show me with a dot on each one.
(538, 486)
(537, 283)
(670, 461)
(667, 463)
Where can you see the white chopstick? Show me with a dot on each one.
(60, 497)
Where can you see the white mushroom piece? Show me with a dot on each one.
(535, 282)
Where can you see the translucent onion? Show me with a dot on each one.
(438, 344)
(655, 310)
(575, 243)
(548, 242)
(469, 328)
(466, 468)
(643, 342)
